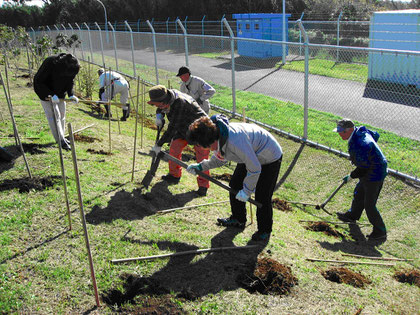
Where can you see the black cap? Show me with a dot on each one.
(183, 70)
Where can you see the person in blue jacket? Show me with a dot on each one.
(371, 170)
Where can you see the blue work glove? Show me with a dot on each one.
(347, 178)
(55, 99)
(159, 120)
(242, 196)
(74, 99)
(193, 168)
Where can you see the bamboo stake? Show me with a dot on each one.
(334, 222)
(188, 252)
(16, 133)
(189, 207)
(135, 131)
(88, 101)
(250, 204)
(378, 258)
(349, 262)
(82, 215)
(8, 95)
(79, 130)
(143, 109)
(119, 127)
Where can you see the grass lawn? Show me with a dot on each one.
(44, 267)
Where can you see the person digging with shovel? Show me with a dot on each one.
(181, 110)
(371, 170)
(258, 156)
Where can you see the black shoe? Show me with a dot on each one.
(345, 217)
(108, 115)
(202, 191)
(377, 236)
(171, 179)
(65, 145)
(260, 236)
(123, 118)
(231, 222)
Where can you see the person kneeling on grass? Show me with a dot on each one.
(258, 156)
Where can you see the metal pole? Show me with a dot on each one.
(232, 57)
(283, 56)
(185, 40)
(185, 22)
(90, 41)
(106, 29)
(81, 39)
(167, 32)
(221, 30)
(33, 32)
(306, 84)
(202, 31)
(64, 29)
(138, 26)
(300, 36)
(115, 44)
(132, 47)
(135, 129)
(154, 49)
(338, 35)
(102, 44)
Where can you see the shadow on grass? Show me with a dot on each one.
(291, 166)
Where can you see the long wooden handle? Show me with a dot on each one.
(332, 195)
(204, 175)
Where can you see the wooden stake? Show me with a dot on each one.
(82, 215)
(188, 252)
(79, 130)
(378, 258)
(189, 207)
(143, 113)
(135, 131)
(349, 262)
(334, 222)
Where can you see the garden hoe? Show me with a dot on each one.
(204, 175)
(154, 166)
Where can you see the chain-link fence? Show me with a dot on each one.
(302, 98)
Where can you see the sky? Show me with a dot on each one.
(33, 2)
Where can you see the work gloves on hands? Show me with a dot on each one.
(242, 196)
(159, 120)
(74, 99)
(193, 168)
(55, 99)
(347, 178)
(156, 149)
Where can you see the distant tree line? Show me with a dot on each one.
(19, 12)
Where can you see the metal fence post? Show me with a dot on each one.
(154, 50)
(167, 32)
(138, 25)
(338, 34)
(81, 40)
(185, 40)
(185, 22)
(64, 29)
(221, 30)
(33, 32)
(283, 55)
(300, 36)
(115, 44)
(306, 86)
(232, 57)
(202, 31)
(102, 44)
(132, 47)
(90, 42)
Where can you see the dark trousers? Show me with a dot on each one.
(263, 194)
(365, 196)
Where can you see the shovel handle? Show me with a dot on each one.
(204, 175)
(333, 194)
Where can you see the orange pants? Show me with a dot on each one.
(175, 150)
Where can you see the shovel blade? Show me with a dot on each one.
(147, 179)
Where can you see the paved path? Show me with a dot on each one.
(340, 97)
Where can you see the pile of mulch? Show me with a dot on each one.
(82, 138)
(269, 277)
(225, 177)
(99, 152)
(281, 205)
(145, 296)
(26, 184)
(408, 276)
(323, 227)
(344, 275)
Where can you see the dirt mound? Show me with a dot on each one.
(82, 138)
(26, 184)
(269, 277)
(323, 227)
(99, 152)
(281, 205)
(408, 276)
(344, 275)
(33, 148)
(145, 296)
(225, 177)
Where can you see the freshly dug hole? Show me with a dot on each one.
(344, 275)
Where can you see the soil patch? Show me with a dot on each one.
(99, 152)
(225, 177)
(82, 138)
(408, 276)
(281, 205)
(323, 227)
(26, 184)
(146, 296)
(269, 277)
(33, 148)
(344, 275)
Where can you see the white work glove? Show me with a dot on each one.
(55, 99)
(242, 196)
(159, 120)
(347, 178)
(192, 169)
(156, 149)
(74, 99)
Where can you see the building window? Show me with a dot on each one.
(257, 26)
(247, 26)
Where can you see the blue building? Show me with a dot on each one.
(266, 26)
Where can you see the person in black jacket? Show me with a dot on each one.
(55, 78)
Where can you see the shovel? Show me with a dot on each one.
(322, 205)
(204, 175)
(154, 166)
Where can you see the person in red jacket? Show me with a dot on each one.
(55, 78)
